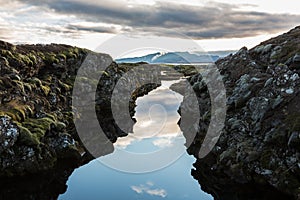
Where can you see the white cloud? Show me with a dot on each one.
(123, 142)
(163, 142)
(137, 189)
(157, 192)
(146, 189)
(157, 118)
(150, 183)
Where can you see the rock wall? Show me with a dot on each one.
(39, 145)
(257, 155)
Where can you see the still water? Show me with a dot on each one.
(149, 164)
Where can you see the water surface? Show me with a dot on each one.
(141, 167)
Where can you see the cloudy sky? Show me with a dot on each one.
(157, 117)
(215, 24)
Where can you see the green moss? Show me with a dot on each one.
(25, 59)
(76, 50)
(46, 89)
(28, 87)
(65, 86)
(41, 55)
(13, 47)
(6, 53)
(33, 130)
(60, 126)
(19, 85)
(27, 138)
(28, 60)
(53, 117)
(51, 58)
(28, 110)
(33, 58)
(11, 115)
(39, 132)
(105, 73)
(71, 53)
(16, 111)
(62, 56)
(20, 113)
(41, 123)
(35, 81)
(36, 128)
(6, 63)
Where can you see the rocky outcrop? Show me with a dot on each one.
(39, 144)
(256, 156)
(258, 153)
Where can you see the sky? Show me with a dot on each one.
(214, 25)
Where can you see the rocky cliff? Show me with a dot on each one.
(39, 145)
(257, 155)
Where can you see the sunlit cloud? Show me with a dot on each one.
(148, 189)
(145, 124)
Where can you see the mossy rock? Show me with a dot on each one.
(53, 117)
(25, 59)
(6, 54)
(19, 85)
(43, 125)
(62, 56)
(65, 86)
(71, 53)
(27, 138)
(33, 58)
(51, 58)
(35, 81)
(16, 110)
(60, 126)
(28, 87)
(46, 89)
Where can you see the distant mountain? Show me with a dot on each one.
(178, 57)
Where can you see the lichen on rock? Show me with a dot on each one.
(257, 155)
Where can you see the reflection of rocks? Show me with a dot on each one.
(257, 155)
(42, 186)
(39, 145)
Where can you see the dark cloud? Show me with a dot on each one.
(97, 29)
(216, 20)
